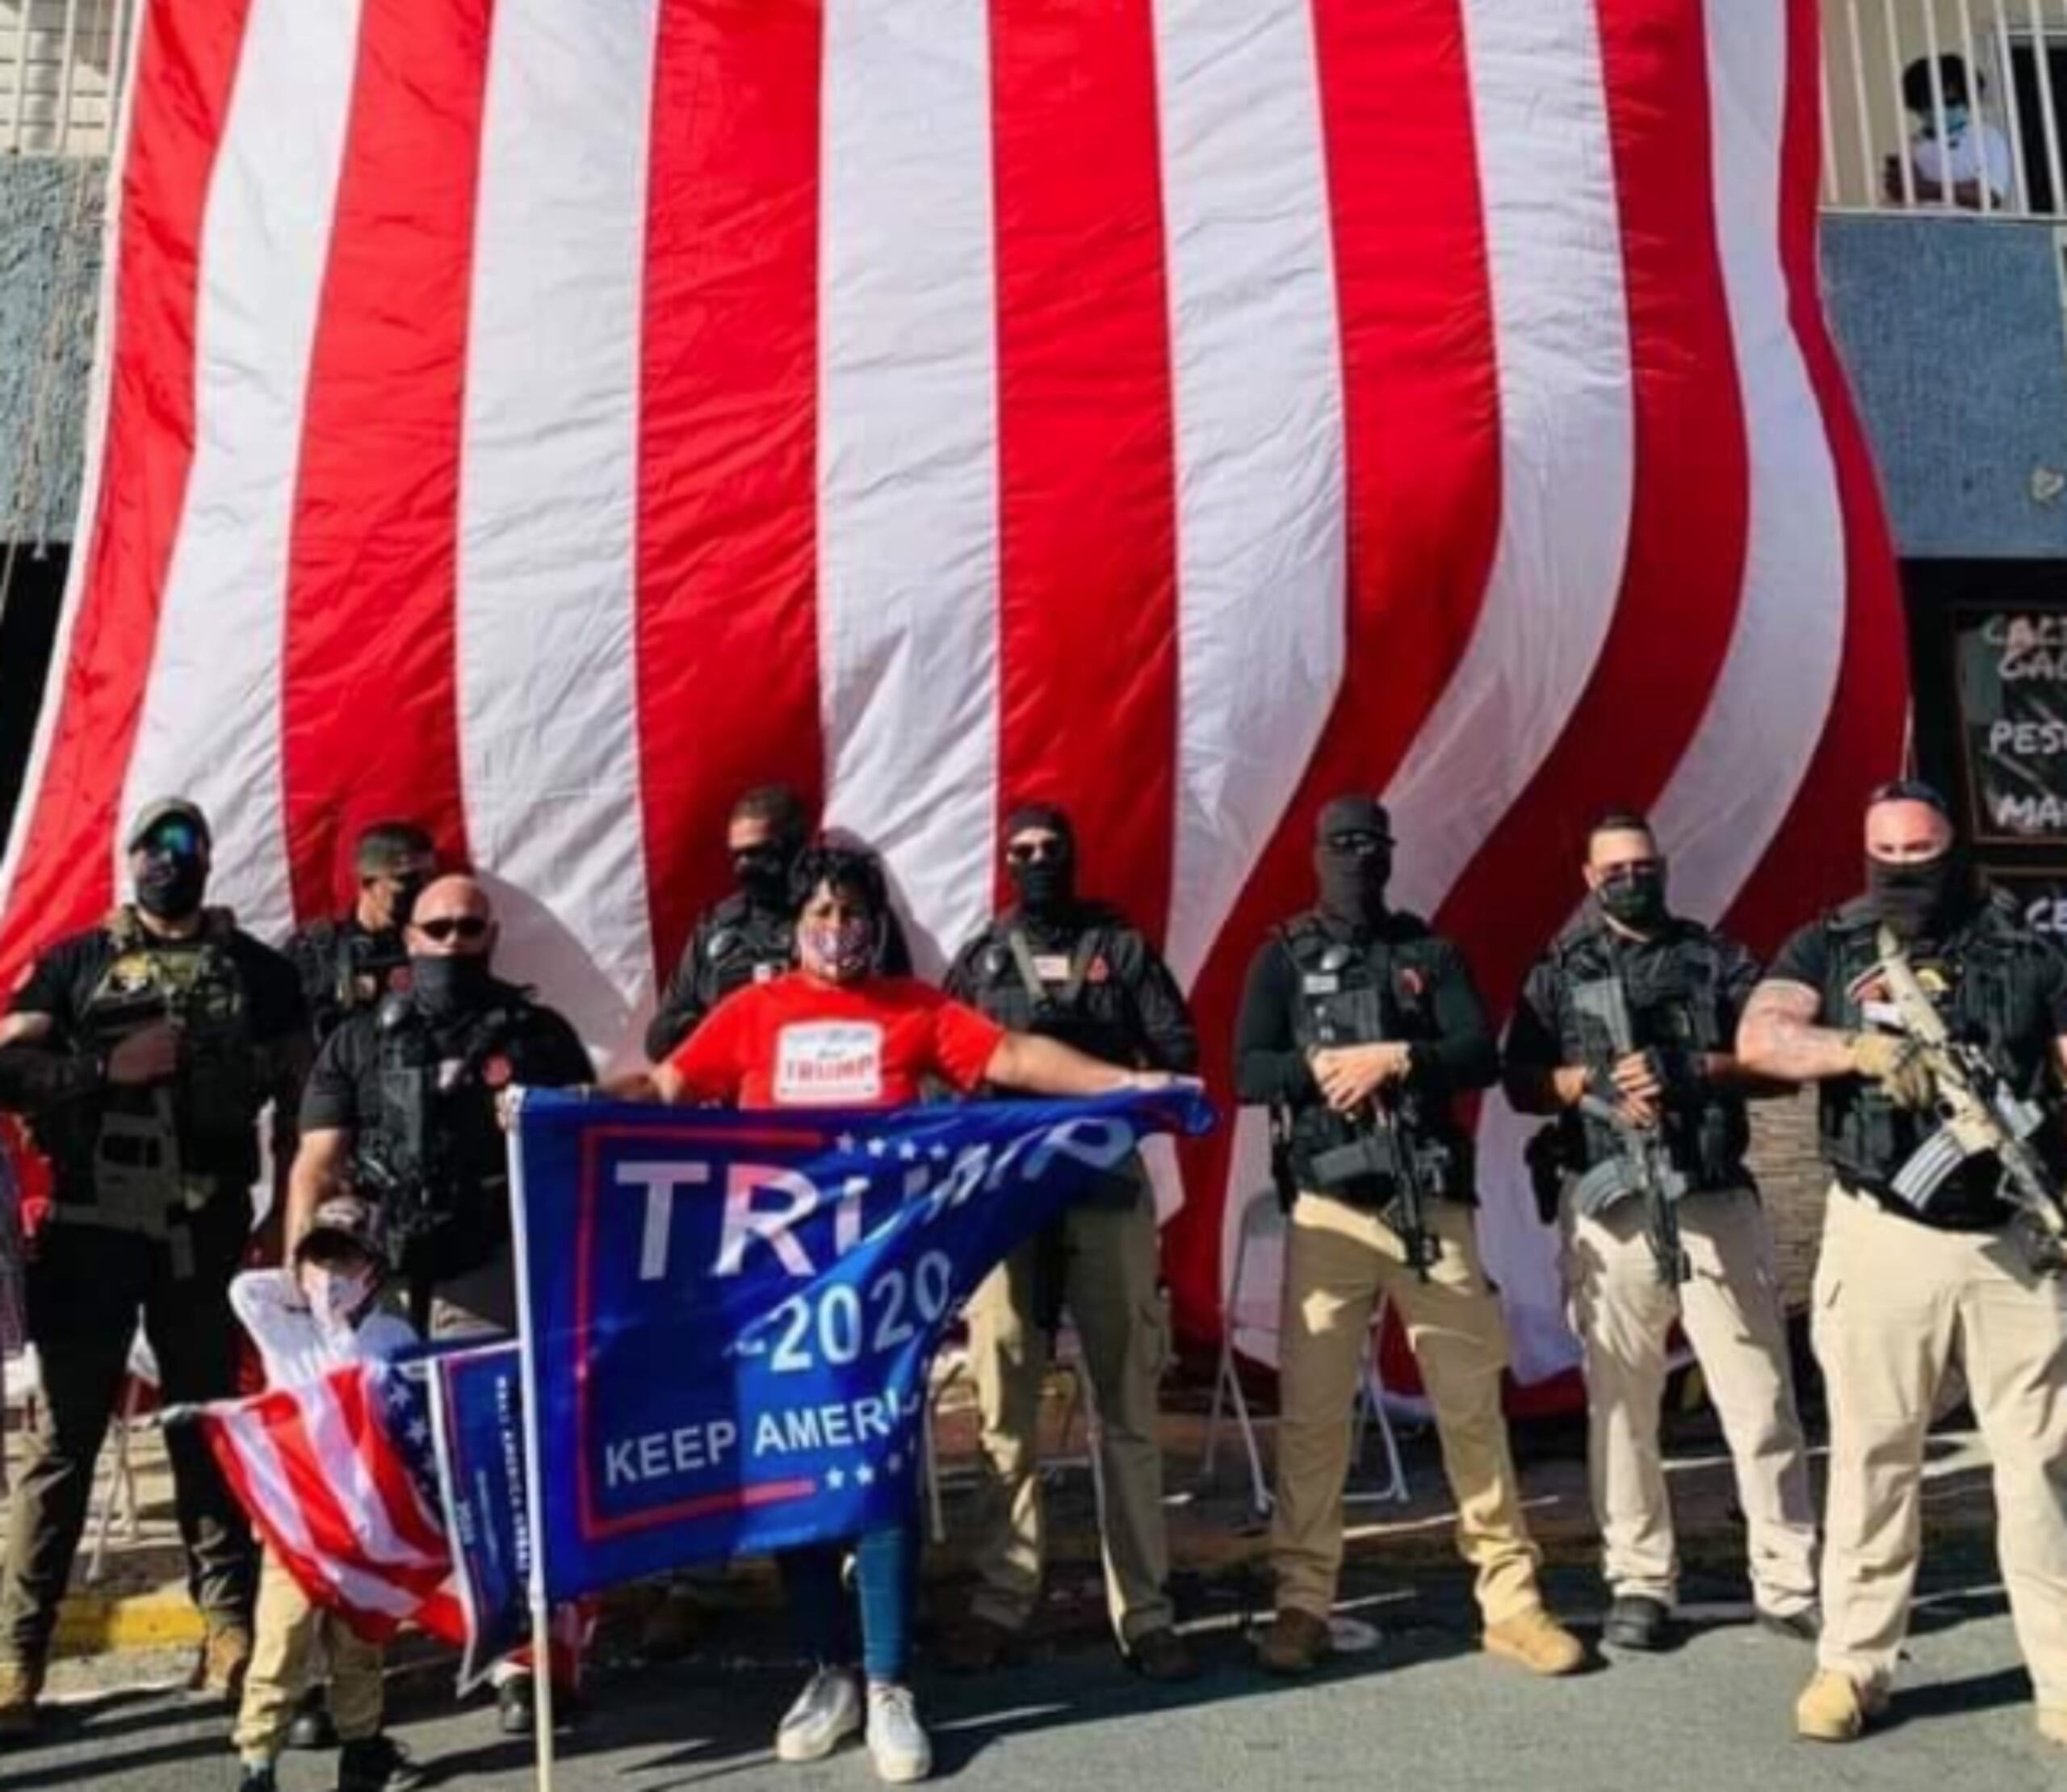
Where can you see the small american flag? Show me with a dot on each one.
(338, 1476)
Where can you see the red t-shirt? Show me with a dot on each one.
(794, 1042)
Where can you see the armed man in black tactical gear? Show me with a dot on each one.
(1625, 1031)
(1075, 971)
(401, 1108)
(1934, 1022)
(1359, 1027)
(166, 1031)
(750, 935)
(349, 963)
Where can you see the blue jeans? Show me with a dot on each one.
(885, 1575)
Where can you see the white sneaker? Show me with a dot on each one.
(897, 1740)
(827, 1709)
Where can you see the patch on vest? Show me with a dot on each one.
(497, 1072)
(130, 974)
(827, 1063)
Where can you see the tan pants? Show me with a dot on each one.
(1339, 1261)
(1893, 1299)
(1731, 1313)
(1111, 1288)
(288, 1629)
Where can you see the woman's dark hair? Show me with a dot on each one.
(846, 866)
(1916, 95)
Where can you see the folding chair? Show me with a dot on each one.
(1263, 1218)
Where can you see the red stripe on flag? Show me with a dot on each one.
(367, 1427)
(186, 64)
(1683, 575)
(1421, 414)
(1087, 684)
(1814, 857)
(727, 628)
(330, 1526)
(368, 702)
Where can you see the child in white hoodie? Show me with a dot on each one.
(316, 1316)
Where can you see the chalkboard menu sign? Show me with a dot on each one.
(2041, 896)
(2011, 667)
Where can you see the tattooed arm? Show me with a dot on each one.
(1779, 1038)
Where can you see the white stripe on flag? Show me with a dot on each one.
(358, 1496)
(907, 452)
(1733, 785)
(1567, 434)
(546, 679)
(275, 1493)
(1256, 372)
(210, 725)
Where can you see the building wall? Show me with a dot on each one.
(50, 215)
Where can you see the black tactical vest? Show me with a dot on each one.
(1364, 993)
(1063, 983)
(745, 945)
(1990, 981)
(345, 970)
(1677, 1006)
(434, 1153)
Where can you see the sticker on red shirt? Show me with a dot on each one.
(828, 1064)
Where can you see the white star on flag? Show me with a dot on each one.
(909, 1151)
(864, 1476)
(835, 1479)
(938, 1154)
(877, 1147)
(844, 1141)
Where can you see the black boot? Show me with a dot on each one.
(1636, 1622)
(375, 1764)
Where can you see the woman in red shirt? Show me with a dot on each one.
(832, 1034)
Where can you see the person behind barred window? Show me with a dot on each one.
(317, 1314)
(1970, 168)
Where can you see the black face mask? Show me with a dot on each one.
(764, 876)
(444, 986)
(1353, 881)
(1634, 895)
(1045, 887)
(171, 887)
(1916, 898)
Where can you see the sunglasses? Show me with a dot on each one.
(442, 927)
(1358, 841)
(1035, 852)
(176, 840)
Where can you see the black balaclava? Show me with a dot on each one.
(1353, 877)
(1634, 895)
(1919, 899)
(767, 874)
(1045, 888)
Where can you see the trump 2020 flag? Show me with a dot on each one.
(729, 1315)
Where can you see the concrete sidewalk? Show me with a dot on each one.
(139, 1602)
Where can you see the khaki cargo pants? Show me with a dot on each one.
(1893, 1299)
(1731, 1311)
(1112, 1291)
(289, 1632)
(1339, 1261)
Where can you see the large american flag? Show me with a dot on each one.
(547, 417)
(339, 1478)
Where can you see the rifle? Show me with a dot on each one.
(1981, 1115)
(1642, 1165)
(1381, 1150)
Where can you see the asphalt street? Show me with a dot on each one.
(1420, 1710)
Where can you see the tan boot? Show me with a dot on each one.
(1835, 1707)
(21, 1684)
(1536, 1641)
(2053, 1723)
(1296, 1643)
(225, 1656)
